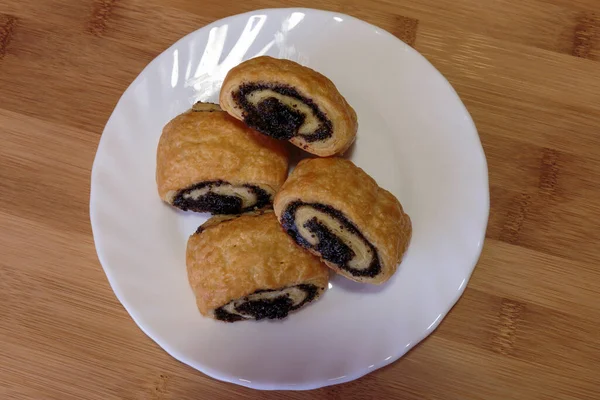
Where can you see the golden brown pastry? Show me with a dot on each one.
(286, 100)
(245, 267)
(209, 162)
(335, 210)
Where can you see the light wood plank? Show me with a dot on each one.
(526, 327)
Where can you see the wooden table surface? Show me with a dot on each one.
(527, 326)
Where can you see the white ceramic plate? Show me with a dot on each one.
(415, 138)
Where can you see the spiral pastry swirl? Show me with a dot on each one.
(285, 100)
(209, 162)
(335, 210)
(246, 268)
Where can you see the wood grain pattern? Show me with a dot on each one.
(527, 325)
(101, 12)
(7, 26)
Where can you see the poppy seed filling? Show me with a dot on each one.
(267, 304)
(220, 197)
(327, 231)
(281, 112)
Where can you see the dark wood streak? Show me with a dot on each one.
(7, 29)
(515, 218)
(585, 34)
(549, 170)
(101, 12)
(405, 29)
(509, 317)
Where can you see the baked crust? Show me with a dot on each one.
(311, 85)
(375, 212)
(233, 257)
(204, 144)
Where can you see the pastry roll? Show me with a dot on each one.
(245, 267)
(286, 100)
(209, 162)
(335, 210)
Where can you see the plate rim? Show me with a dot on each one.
(121, 297)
